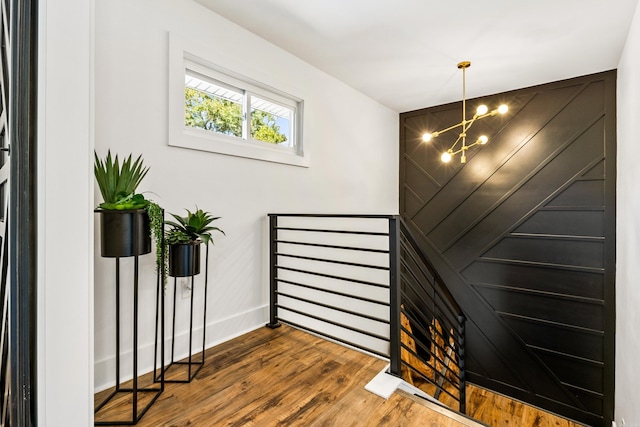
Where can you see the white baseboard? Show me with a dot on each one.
(218, 331)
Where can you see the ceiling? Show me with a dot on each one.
(404, 53)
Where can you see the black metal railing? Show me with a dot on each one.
(361, 280)
(432, 327)
(330, 276)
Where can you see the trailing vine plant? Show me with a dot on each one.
(156, 222)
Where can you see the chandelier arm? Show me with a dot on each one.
(469, 123)
(460, 150)
(461, 124)
(440, 132)
(489, 114)
(456, 143)
(475, 118)
(475, 143)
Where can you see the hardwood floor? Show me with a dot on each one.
(497, 410)
(285, 377)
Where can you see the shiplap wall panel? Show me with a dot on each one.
(524, 236)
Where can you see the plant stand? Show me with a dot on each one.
(135, 391)
(193, 366)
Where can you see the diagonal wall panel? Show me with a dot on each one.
(524, 236)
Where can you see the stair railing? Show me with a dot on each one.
(432, 327)
(362, 281)
(330, 276)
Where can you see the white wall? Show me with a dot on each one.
(65, 202)
(628, 233)
(131, 40)
(354, 159)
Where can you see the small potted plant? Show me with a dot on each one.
(128, 219)
(183, 239)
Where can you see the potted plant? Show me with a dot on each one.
(184, 238)
(128, 219)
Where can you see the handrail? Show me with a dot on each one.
(370, 287)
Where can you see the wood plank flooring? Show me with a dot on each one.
(495, 409)
(501, 411)
(285, 377)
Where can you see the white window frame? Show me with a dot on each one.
(180, 135)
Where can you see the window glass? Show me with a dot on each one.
(271, 122)
(216, 106)
(212, 106)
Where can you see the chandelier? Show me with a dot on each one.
(481, 113)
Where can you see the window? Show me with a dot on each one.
(212, 105)
(224, 112)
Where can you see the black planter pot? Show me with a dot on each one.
(124, 233)
(184, 259)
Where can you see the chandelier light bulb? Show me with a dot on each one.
(446, 157)
(503, 109)
(483, 139)
(427, 137)
(482, 110)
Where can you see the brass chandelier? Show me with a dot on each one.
(481, 113)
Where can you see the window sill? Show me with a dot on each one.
(200, 140)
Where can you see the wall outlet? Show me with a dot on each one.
(185, 286)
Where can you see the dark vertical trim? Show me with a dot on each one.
(22, 210)
(610, 152)
(273, 272)
(394, 296)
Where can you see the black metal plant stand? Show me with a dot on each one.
(135, 391)
(193, 366)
